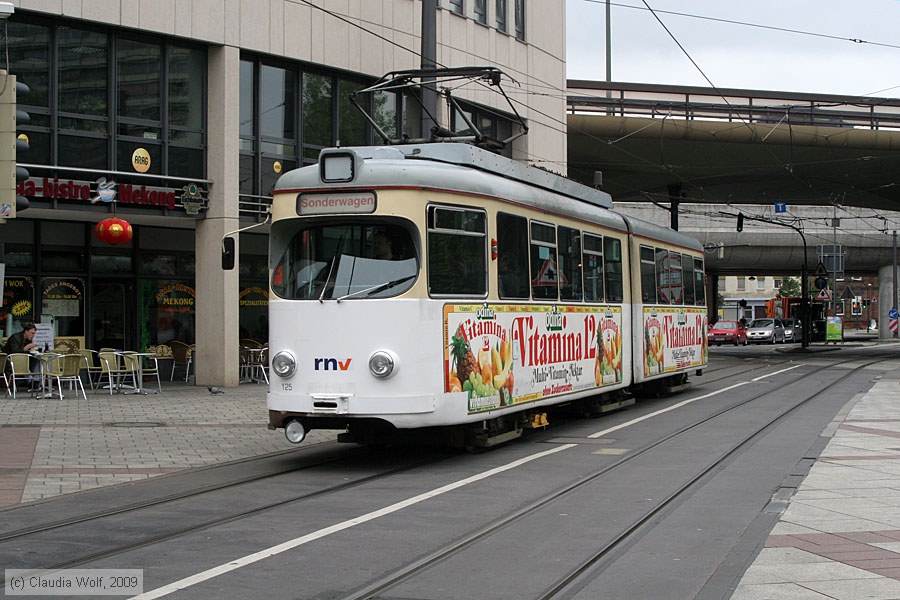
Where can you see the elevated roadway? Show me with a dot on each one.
(737, 146)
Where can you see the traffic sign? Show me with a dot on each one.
(823, 294)
(821, 283)
(893, 326)
(549, 274)
(821, 271)
(781, 207)
(893, 314)
(848, 294)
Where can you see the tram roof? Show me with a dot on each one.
(441, 166)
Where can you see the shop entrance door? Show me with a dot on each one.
(112, 325)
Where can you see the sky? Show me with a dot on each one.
(740, 56)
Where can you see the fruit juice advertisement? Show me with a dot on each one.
(498, 355)
(674, 338)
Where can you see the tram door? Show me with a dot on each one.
(113, 326)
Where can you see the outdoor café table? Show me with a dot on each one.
(43, 361)
(139, 371)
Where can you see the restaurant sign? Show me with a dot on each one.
(54, 188)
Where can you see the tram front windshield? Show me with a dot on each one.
(322, 261)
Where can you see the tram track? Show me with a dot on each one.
(581, 572)
(199, 491)
(135, 506)
(23, 534)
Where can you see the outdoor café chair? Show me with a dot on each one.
(3, 373)
(91, 365)
(20, 364)
(182, 355)
(150, 367)
(109, 363)
(65, 367)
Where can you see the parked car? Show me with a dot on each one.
(793, 330)
(766, 331)
(727, 332)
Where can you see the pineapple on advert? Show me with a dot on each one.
(506, 354)
(674, 338)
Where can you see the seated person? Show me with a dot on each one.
(23, 342)
(382, 247)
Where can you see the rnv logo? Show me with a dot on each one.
(331, 364)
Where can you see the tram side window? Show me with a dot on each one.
(699, 283)
(457, 254)
(648, 276)
(663, 277)
(544, 265)
(612, 269)
(592, 259)
(687, 274)
(676, 283)
(512, 247)
(569, 264)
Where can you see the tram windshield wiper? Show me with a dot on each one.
(334, 261)
(370, 291)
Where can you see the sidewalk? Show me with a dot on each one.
(53, 447)
(839, 536)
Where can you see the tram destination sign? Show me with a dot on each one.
(330, 203)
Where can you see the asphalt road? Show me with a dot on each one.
(669, 498)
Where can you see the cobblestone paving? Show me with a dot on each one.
(54, 446)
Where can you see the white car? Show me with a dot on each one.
(766, 331)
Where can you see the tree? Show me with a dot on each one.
(790, 287)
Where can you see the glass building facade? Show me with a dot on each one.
(178, 124)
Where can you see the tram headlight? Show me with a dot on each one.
(284, 364)
(383, 364)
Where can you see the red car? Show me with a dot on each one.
(727, 332)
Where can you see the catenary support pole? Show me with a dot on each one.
(429, 61)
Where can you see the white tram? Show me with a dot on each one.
(445, 289)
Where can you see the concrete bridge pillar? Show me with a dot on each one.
(886, 300)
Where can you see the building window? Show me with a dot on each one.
(489, 122)
(318, 114)
(761, 283)
(187, 105)
(289, 114)
(501, 15)
(351, 122)
(741, 283)
(158, 104)
(277, 125)
(457, 7)
(481, 11)
(520, 19)
(139, 96)
(82, 98)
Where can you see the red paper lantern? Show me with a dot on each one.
(114, 231)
